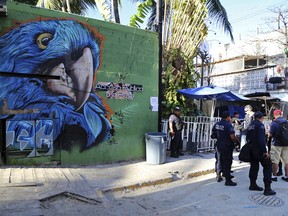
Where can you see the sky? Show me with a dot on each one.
(245, 17)
(127, 9)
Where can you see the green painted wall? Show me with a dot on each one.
(129, 56)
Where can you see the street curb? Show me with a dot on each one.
(174, 178)
(140, 185)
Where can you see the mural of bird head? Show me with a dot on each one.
(65, 48)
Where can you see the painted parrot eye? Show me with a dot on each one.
(43, 40)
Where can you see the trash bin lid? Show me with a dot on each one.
(157, 134)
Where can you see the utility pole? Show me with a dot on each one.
(202, 78)
(203, 55)
(160, 90)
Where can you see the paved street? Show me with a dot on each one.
(204, 196)
(184, 186)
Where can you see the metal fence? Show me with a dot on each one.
(196, 133)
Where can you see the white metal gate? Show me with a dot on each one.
(196, 133)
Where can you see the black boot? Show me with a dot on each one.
(219, 178)
(280, 173)
(230, 176)
(174, 155)
(268, 191)
(229, 182)
(254, 187)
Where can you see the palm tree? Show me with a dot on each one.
(184, 28)
(218, 14)
(183, 24)
(109, 9)
(115, 4)
(71, 6)
(31, 2)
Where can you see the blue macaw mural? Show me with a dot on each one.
(65, 48)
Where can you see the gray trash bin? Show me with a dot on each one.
(156, 147)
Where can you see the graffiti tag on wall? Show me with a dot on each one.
(35, 137)
(119, 90)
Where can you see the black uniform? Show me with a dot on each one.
(257, 140)
(224, 147)
(176, 144)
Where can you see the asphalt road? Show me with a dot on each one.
(199, 196)
(65, 192)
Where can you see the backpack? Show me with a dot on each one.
(283, 134)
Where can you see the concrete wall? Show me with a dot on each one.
(84, 92)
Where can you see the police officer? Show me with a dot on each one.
(176, 125)
(257, 141)
(224, 146)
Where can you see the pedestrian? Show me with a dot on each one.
(280, 172)
(176, 125)
(237, 126)
(256, 139)
(249, 113)
(279, 148)
(269, 139)
(224, 146)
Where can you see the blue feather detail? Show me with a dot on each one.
(20, 53)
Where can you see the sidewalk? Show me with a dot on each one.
(27, 191)
(106, 178)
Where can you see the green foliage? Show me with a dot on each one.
(178, 73)
(142, 10)
(30, 2)
(76, 6)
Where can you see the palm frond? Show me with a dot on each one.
(218, 14)
(152, 18)
(76, 6)
(187, 26)
(50, 4)
(142, 10)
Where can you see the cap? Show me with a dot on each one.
(277, 112)
(236, 112)
(177, 108)
(225, 114)
(258, 115)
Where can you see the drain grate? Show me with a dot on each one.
(272, 201)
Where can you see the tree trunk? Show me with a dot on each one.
(116, 10)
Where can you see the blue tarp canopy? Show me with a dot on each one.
(213, 93)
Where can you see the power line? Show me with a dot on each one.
(238, 12)
(256, 13)
(255, 17)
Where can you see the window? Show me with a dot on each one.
(254, 63)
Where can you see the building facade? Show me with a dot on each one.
(257, 65)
